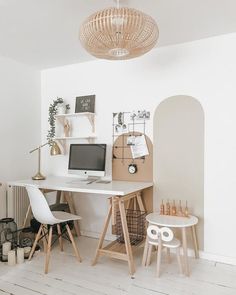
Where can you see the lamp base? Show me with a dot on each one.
(38, 176)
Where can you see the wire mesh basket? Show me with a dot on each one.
(136, 223)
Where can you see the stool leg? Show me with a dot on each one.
(195, 241)
(159, 258)
(60, 237)
(48, 250)
(179, 260)
(168, 254)
(145, 251)
(149, 254)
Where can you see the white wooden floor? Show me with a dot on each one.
(111, 277)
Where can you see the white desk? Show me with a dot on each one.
(119, 192)
(69, 184)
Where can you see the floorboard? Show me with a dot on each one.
(66, 276)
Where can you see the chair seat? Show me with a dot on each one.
(175, 243)
(62, 216)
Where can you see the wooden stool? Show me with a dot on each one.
(162, 237)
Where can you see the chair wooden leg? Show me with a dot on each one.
(73, 243)
(149, 254)
(35, 242)
(168, 255)
(159, 258)
(60, 236)
(48, 250)
(45, 243)
(179, 260)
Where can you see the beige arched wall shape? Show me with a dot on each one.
(178, 147)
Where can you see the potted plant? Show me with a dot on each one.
(53, 110)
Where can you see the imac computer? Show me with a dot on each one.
(87, 160)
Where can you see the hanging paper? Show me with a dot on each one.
(139, 149)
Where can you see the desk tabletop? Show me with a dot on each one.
(171, 221)
(70, 184)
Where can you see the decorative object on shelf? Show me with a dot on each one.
(85, 104)
(8, 237)
(55, 150)
(180, 211)
(162, 208)
(62, 108)
(132, 168)
(186, 210)
(170, 209)
(119, 33)
(67, 128)
(173, 209)
(52, 111)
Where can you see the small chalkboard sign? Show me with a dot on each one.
(85, 104)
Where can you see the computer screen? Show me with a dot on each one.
(87, 159)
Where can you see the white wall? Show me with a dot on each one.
(20, 122)
(204, 69)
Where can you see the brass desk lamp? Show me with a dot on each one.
(55, 150)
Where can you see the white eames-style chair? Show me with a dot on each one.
(162, 237)
(48, 219)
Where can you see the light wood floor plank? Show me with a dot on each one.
(111, 277)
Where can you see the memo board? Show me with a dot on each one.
(122, 157)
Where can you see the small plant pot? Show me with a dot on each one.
(61, 109)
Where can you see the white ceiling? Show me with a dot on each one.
(44, 33)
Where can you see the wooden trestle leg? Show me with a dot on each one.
(115, 249)
(102, 237)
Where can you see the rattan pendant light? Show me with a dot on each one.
(118, 33)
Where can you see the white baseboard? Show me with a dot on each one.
(217, 258)
(213, 257)
(202, 254)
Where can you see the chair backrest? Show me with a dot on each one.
(39, 205)
(154, 232)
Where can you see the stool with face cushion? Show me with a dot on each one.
(162, 237)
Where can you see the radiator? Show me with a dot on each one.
(3, 204)
(17, 204)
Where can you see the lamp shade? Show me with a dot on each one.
(119, 33)
(55, 150)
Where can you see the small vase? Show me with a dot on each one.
(61, 109)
